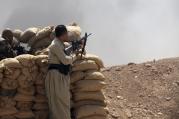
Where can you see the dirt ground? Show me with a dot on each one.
(143, 91)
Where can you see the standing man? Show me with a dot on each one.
(57, 81)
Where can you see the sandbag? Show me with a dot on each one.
(41, 60)
(90, 110)
(74, 32)
(26, 91)
(40, 90)
(11, 63)
(26, 60)
(95, 117)
(24, 106)
(24, 98)
(40, 106)
(17, 33)
(14, 75)
(45, 32)
(8, 111)
(76, 76)
(98, 96)
(2, 67)
(24, 115)
(24, 82)
(94, 75)
(9, 84)
(7, 102)
(28, 34)
(41, 114)
(40, 99)
(8, 117)
(43, 43)
(95, 58)
(88, 102)
(82, 65)
(89, 85)
(26, 72)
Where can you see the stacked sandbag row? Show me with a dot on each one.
(40, 38)
(21, 96)
(87, 82)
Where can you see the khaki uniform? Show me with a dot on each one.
(58, 85)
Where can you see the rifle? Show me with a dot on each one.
(76, 45)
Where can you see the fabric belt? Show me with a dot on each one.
(64, 69)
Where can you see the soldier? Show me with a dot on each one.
(7, 34)
(5, 49)
(57, 82)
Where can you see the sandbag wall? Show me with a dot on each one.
(40, 38)
(22, 88)
(22, 91)
(88, 101)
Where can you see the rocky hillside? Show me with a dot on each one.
(143, 91)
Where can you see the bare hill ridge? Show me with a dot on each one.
(143, 91)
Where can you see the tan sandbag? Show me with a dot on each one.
(28, 34)
(34, 68)
(14, 75)
(74, 32)
(94, 75)
(26, 60)
(26, 72)
(89, 85)
(24, 82)
(7, 102)
(11, 63)
(1, 75)
(88, 102)
(40, 80)
(2, 67)
(24, 98)
(76, 76)
(8, 117)
(43, 43)
(40, 99)
(17, 33)
(24, 115)
(95, 58)
(45, 32)
(8, 111)
(39, 58)
(41, 114)
(24, 106)
(90, 110)
(78, 96)
(26, 91)
(40, 106)
(95, 117)
(82, 65)
(9, 84)
(40, 90)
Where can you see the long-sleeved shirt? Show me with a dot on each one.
(57, 54)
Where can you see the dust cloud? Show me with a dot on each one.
(123, 30)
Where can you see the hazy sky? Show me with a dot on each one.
(123, 30)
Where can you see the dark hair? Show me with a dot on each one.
(60, 30)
